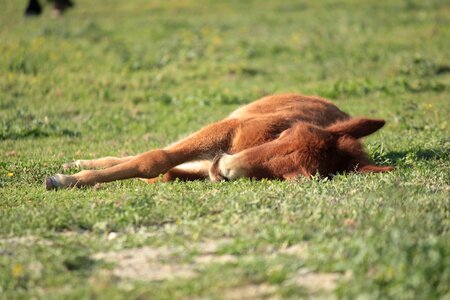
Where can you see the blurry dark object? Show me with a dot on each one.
(34, 8)
(60, 6)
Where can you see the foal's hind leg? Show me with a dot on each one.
(103, 162)
(204, 144)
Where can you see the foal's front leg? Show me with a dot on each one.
(103, 162)
(204, 144)
(129, 169)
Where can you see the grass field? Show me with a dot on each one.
(127, 76)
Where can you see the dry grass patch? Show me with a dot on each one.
(322, 284)
(24, 241)
(146, 264)
(261, 291)
(154, 264)
(298, 250)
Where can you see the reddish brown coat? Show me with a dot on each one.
(276, 137)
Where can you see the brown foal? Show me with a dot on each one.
(276, 137)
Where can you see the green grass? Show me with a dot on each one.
(128, 76)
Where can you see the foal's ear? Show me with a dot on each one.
(357, 127)
(373, 169)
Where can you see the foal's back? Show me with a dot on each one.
(263, 120)
(309, 109)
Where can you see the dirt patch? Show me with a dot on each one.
(215, 259)
(146, 264)
(210, 246)
(262, 291)
(299, 250)
(316, 282)
(153, 264)
(168, 263)
(21, 240)
(151, 271)
(208, 252)
(135, 255)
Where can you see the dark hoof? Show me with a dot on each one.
(51, 183)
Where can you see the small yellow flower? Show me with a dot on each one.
(10, 174)
(17, 270)
(296, 38)
(216, 40)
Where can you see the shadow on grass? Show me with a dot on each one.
(38, 133)
(422, 154)
(79, 263)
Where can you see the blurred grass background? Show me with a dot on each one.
(113, 76)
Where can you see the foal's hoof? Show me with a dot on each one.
(51, 183)
(214, 171)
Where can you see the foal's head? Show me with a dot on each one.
(304, 149)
